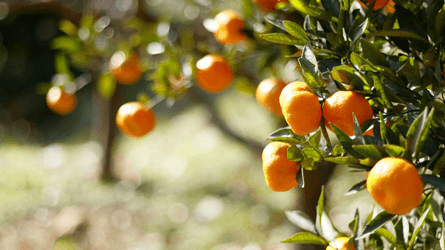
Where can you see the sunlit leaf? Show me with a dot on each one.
(345, 141)
(387, 235)
(282, 39)
(306, 238)
(398, 33)
(294, 153)
(106, 85)
(295, 30)
(301, 220)
(417, 227)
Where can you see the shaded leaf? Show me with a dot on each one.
(398, 33)
(346, 160)
(417, 227)
(372, 54)
(370, 151)
(286, 135)
(381, 219)
(358, 31)
(333, 6)
(346, 74)
(345, 141)
(294, 154)
(434, 181)
(356, 188)
(319, 13)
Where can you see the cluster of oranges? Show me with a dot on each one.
(303, 112)
(394, 183)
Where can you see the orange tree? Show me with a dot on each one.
(372, 97)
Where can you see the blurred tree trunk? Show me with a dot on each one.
(104, 128)
(307, 197)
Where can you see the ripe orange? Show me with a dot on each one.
(268, 5)
(341, 243)
(395, 185)
(338, 109)
(378, 4)
(280, 173)
(128, 71)
(135, 119)
(213, 73)
(390, 7)
(268, 95)
(301, 108)
(229, 29)
(60, 102)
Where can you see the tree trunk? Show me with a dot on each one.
(104, 129)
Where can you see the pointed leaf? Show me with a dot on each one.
(346, 74)
(398, 33)
(277, 23)
(381, 219)
(286, 135)
(396, 151)
(329, 231)
(372, 54)
(434, 181)
(333, 6)
(440, 20)
(306, 238)
(295, 30)
(319, 13)
(356, 188)
(417, 227)
(301, 220)
(300, 178)
(387, 235)
(314, 140)
(281, 39)
(311, 74)
(345, 141)
(294, 154)
(358, 31)
(370, 151)
(346, 160)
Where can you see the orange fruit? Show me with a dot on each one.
(301, 108)
(268, 95)
(60, 102)
(341, 243)
(390, 7)
(395, 185)
(280, 173)
(229, 29)
(135, 119)
(128, 71)
(338, 109)
(213, 73)
(378, 4)
(268, 5)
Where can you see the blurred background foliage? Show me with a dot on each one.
(194, 183)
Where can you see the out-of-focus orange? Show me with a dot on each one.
(60, 102)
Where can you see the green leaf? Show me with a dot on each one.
(396, 151)
(66, 43)
(281, 39)
(306, 238)
(357, 131)
(247, 9)
(319, 13)
(311, 74)
(376, 80)
(418, 132)
(301, 220)
(345, 141)
(295, 30)
(314, 140)
(442, 238)
(337, 150)
(308, 54)
(346, 74)
(398, 33)
(356, 188)
(381, 219)
(368, 162)
(320, 208)
(299, 5)
(358, 31)
(346, 160)
(354, 225)
(429, 57)
(294, 154)
(106, 85)
(62, 65)
(440, 20)
(286, 135)
(387, 235)
(434, 181)
(370, 151)
(68, 27)
(311, 154)
(372, 54)
(417, 227)
(333, 6)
